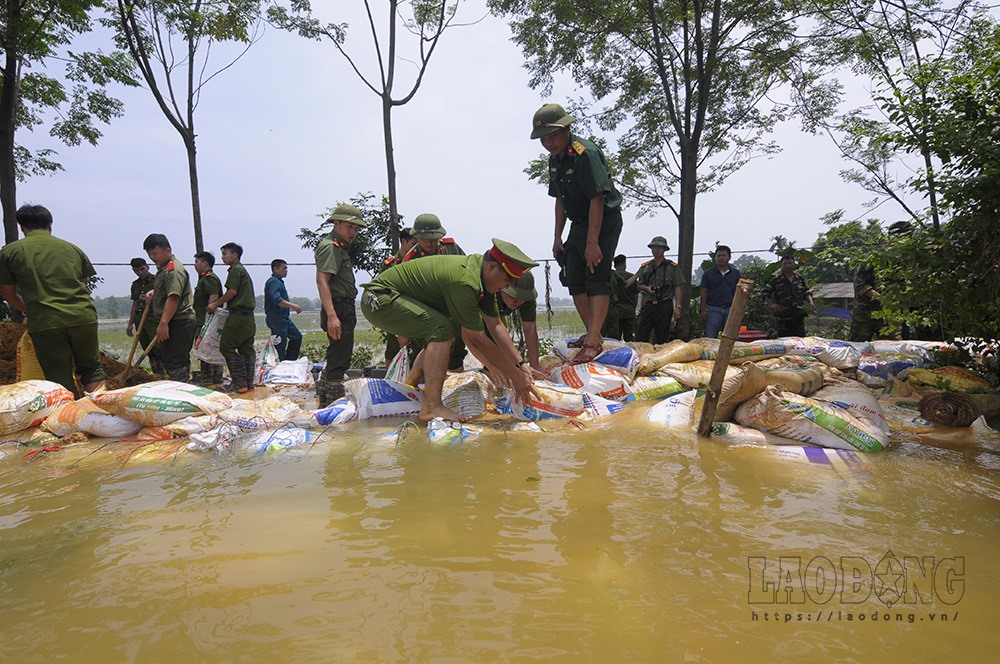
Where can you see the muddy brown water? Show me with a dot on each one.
(613, 543)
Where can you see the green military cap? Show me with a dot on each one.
(427, 226)
(523, 288)
(514, 261)
(345, 212)
(658, 241)
(548, 119)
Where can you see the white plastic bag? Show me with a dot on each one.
(289, 372)
(399, 367)
(267, 359)
(206, 346)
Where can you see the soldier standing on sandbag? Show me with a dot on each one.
(787, 294)
(236, 342)
(173, 308)
(432, 299)
(337, 291)
(207, 291)
(660, 282)
(142, 285)
(46, 278)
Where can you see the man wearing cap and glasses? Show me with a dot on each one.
(432, 299)
(660, 281)
(518, 308)
(580, 181)
(337, 291)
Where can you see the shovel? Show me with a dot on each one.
(118, 381)
(135, 339)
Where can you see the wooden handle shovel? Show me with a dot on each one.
(135, 339)
(119, 381)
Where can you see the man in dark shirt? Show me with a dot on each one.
(276, 311)
(787, 294)
(718, 286)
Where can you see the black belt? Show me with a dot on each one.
(661, 301)
(241, 312)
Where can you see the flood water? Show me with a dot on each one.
(618, 543)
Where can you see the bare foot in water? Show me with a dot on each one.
(429, 413)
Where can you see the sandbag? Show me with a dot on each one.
(744, 352)
(269, 413)
(467, 393)
(952, 379)
(593, 378)
(875, 368)
(736, 434)
(858, 399)
(747, 383)
(267, 359)
(84, 415)
(838, 354)
(654, 388)
(340, 411)
(556, 401)
(289, 372)
(27, 403)
(31, 436)
(547, 363)
(399, 367)
(181, 428)
(674, 412)
(809, 421)
(562, 349)
(669, 353)
(206, 345)
(377, 397)
(161, 402)
(694, 374)
(802, 380)
(595, 407)
(26, 362)
(923, 349)
(443, 432)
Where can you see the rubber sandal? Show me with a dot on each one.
(588, 353)
(578, 343)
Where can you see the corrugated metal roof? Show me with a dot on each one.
(838, 290)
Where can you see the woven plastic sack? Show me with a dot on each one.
(161, 402)
(206, 344)
(674, 412)
(27, 366)
(593, 378)
(27, 403)
(745, 352)
(467, 393)
(555, 401)
(378, 397)
(654, 388)
(83, 415)
(670, 353)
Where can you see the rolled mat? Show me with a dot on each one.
(950, 409)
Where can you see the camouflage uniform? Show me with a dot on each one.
(863, 326)
(790, 296)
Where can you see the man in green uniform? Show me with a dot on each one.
(517, 305)
(430, 299)
(660, 282)
(787, 294)
(406, 242)
(620, 323)
(142, 285)
(431, 241)
(580, 181)
(46, 278)
(236, 343)
(173, 308)
(866, 300)
(207, 291)
(337, 292)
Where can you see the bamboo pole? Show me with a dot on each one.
(729, 334)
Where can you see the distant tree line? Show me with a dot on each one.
(119, 306)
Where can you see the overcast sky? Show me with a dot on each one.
(290, 130)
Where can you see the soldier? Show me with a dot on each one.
(142, 285)
(627, 307)
(660, 282)
(207, 291)
(430, 299)
(580, 181)
(51, 275)
(517, 305)
(337, 292)
(406, 242)
(866, 300)
(236, 342)
(787, 294)
(173, 308)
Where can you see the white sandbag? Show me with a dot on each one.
(801, 378)
(340, 411)
(267, 359)
(736, 434)
(747, 383)
(654, 388)
(556, 401)
(289, 372)
(922, 349)
(809, 421)
(595, 407)
(858, 399)
(622, 359)
(277, 440)
(179, 428)
(83, 415)
(206, 345)
(32, 436)
(377, 397)
(269, 413)
(593, 378)
(562, 349)
(694, 374)
(467, 393)
(669, 353)
(745, 352)
(27, 403)
(676, 411)
(442, 432)
(161, 402)
(399, 367)
(880, 366)
(835, 353)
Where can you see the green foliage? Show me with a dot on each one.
(371, 246)
(837, 252)
(757, 316)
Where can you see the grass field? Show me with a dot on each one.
(368, 342)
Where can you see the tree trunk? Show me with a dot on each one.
(192, 155)
(8, 111)
(390, 171)
(685, 232)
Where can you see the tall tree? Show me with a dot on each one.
(426, 22)
(171, 42)
(685, 82)
(34, 35)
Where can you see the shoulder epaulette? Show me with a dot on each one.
(447, 240)
(646, 263)
(411, 254)
(673, 264)
(389, 261)
(170, 266)
(578, 147)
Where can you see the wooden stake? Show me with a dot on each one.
(729, 335)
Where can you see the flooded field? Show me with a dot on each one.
(610, 544)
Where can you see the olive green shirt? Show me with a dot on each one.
(579, 174)
(528, 310)
(208, 285)
(333, 258)
(238, 279)
(452, 285)
(446, 247)
(139, 287)
(662, 278)
(50, 275)
(173, 279)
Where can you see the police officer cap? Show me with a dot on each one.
(548, 119)
(658, 241)
(514, 261)
(345, 212)
(427, 226)
(523, 288)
